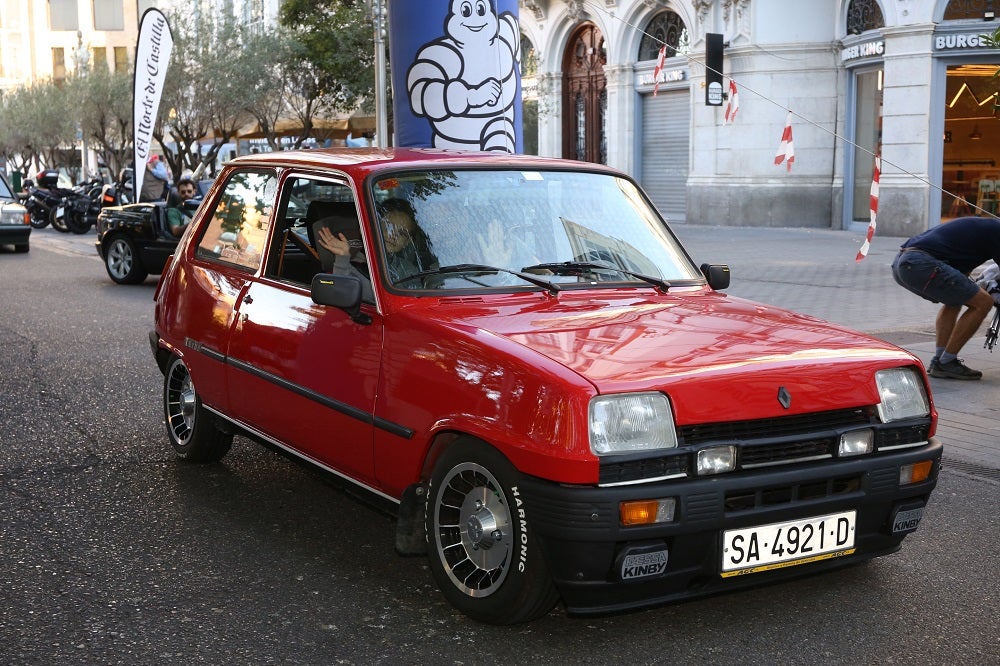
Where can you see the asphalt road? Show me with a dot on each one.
(113, 552)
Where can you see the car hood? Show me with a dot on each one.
(703, 349)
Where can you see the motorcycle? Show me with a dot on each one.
(83, 205)
(119, 192)
(47, 196)
(36, 203)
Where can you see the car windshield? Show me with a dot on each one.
(474, 229)
(5, 192)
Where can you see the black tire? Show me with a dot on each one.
(190, 427)
(77, 222)
(39, 218)
(58, 222)
(483, 555)
(21, 248)
(122, 262)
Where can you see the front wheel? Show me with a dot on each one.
(483, 554)
(39, 218)
(121, 260)
(191, 429)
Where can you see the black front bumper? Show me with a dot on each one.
(585, 545)
(15, 235)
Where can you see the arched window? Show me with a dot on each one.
(664, 28)
(529, 58)
(863, 15)
(969, 9)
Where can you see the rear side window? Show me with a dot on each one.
(238, 228)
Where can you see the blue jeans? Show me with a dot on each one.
(932, 279)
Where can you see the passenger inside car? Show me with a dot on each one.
(341, 250)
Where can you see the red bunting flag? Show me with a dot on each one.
(659, 67)
(873, 206)
(733, 105)
(786, 151)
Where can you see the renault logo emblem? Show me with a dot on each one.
(784, 397)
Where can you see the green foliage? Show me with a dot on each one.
(336, 36)
(223, 81)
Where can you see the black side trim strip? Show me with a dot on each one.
(336, 405)
(299, 454)
(207, 351)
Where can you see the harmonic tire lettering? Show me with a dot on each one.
(483, 553)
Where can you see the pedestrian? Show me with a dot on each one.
(156, 181)
(935, 265)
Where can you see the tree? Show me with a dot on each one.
(204, 93)
(337, 40)
(102, 108)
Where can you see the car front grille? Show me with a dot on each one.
(766, 443)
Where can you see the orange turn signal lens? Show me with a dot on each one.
(916, 472)
(647, 512)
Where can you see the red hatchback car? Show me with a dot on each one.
(518, 356)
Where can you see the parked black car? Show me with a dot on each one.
(135, 241)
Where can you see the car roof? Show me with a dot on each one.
(360, 162)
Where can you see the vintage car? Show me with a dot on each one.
(517, 356)
(135, 241)
(15, 223)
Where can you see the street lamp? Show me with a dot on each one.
(379, 25)
(81, 58)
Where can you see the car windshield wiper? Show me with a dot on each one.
(570, 266)
(481, 268)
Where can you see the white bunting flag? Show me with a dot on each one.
(659, 68)
(786, 151)
(873, 206)
(152, 54)
(733, 105)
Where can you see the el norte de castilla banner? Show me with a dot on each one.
(152, 55)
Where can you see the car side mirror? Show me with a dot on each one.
(191, 204)
(717, 275)
(340, 291)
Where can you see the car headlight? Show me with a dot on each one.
(901, 393)
(14, 215)
(631, 422)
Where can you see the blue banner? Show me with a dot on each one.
(456, 74)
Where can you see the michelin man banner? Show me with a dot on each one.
(456, 74)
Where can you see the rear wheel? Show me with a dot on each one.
(191, 428)
(77, 222)
(483, 555)
(21, 248)
(58, 219)
(121, 260)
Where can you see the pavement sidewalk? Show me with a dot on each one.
(814, 271)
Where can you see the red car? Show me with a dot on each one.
(518, 356)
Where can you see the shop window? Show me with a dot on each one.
(10, 17)
(143, 5)
(63, 15)
(970, 9)
(121, 59)
(109, 15)
(864, 15)
(58, 65)
(664, 28)
(868, 138)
